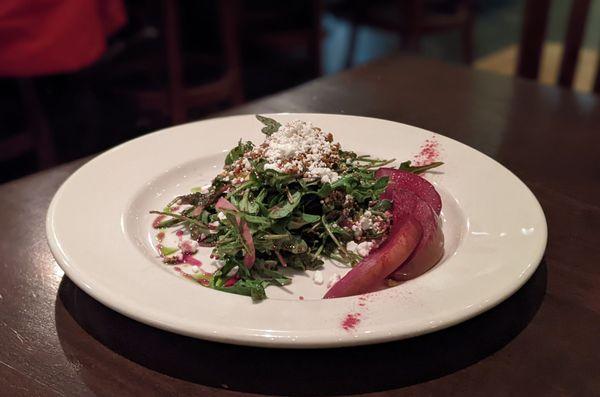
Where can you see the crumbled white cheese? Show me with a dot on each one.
(271, 167)
(364, 248)
(351, 246)
(189, 246)
(195, 269)
(326, 174)
(299, 147)
(366, 221)
(333, 279)
(361, 249)
(246, 164)
(212, 227)
(221, 215)
(349, 200)
(318, 277)
(205, 189)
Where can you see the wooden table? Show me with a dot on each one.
(56, 340)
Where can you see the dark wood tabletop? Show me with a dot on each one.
(56, 340)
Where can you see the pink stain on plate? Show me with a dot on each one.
(362, 301)
(429, 152)
(351, 321)
(157, 221)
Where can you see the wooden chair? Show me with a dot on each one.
(412, 22)
(174, 97)
(308, 36)
(535, 20)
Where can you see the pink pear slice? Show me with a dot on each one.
(369, 274)
(431, 247)
(412, 182)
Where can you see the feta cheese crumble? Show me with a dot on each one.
(302, 149)
(318, 277)
(189, 246)
(333, 279)
(363, 249)
(205, 189)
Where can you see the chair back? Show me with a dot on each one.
(535, 20)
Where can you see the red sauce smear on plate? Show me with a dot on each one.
(429, 152)
(202, 281)
(191, 260)
(351, 321)
(362, 301)
(158, 220)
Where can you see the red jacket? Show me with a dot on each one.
(39, 37)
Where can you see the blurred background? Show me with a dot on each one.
(80, 76)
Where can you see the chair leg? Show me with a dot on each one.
(315, 40)
(177, 106)
(413, 12)
(38, 125)
(356, 8)
(351, 45)
(229, 20)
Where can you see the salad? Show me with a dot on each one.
(298, 199)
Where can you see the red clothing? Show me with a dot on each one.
(40, 37)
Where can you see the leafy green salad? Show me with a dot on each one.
(292, 201)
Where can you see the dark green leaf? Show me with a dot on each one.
(238, 151)
(165, 251)
(271, 125)
(283, 209)
(405, 166)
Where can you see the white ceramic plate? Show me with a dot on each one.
(98, 229)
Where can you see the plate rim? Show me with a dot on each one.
(299, 342)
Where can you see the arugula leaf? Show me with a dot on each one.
(325, 190)
(304, 261)
(166, 251)
(271, 125)
(382, 206)
(405, 166)
(238, 151)
(283, 209)
(253, 288)
(304, 219)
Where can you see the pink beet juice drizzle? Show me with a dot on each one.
(351, 321)
(429, 152)
(202, 281)
(362, 301)
(189, 259)
(160, 237)
(157, 221)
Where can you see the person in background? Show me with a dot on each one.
(47, 48)
(45, 37)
